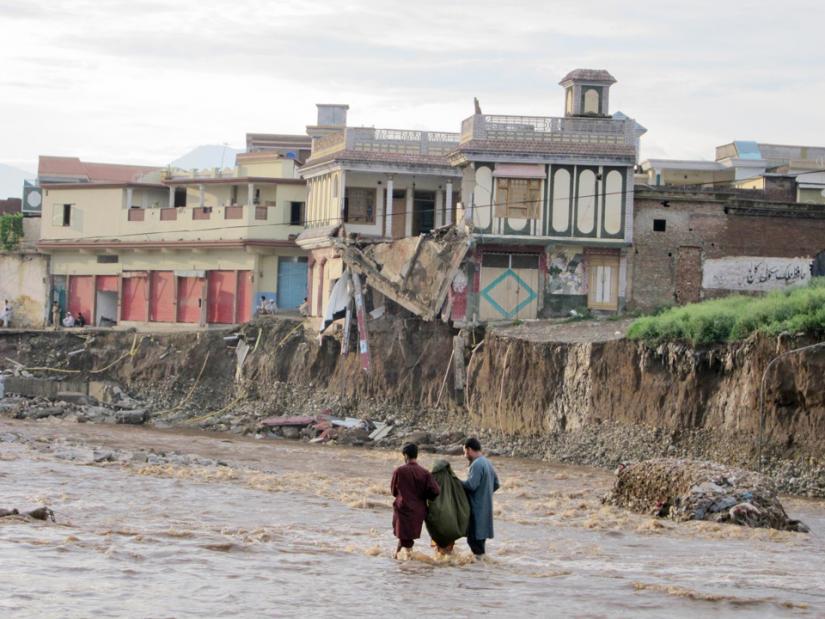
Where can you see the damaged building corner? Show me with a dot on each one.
(415, 272)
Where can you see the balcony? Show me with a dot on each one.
(175, 223)
(549, 130)
(386, 141)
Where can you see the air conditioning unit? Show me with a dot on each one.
(32, 199)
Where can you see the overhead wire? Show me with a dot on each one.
(337, 220)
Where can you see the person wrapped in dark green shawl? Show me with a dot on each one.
(448, 515)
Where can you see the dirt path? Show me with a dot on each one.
(580, 332)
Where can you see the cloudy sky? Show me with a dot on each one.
(145, 81)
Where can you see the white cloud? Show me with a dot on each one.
(145, 81)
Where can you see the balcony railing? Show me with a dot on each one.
(390, 141)
(233, 212)
(542, 129)
(183, 214)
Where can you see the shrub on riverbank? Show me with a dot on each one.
(736, 317)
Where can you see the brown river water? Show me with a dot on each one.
(223, 526)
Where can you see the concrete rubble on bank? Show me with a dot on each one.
(684, 490)
(327, 428)
(92, 401)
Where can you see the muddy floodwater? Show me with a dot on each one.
(153, 523)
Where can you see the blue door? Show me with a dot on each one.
(292, 282)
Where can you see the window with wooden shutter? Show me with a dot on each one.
(518, 198)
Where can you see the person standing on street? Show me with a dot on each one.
(5, 315)
(481, 483)
(55, 315)
(412, 486)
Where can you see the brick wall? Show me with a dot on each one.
(720, 227)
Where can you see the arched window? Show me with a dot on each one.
(592, 98)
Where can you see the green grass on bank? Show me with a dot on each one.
(736, 317)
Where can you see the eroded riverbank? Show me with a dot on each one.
(171, 523)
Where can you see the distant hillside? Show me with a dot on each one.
(11, 181)
(207, 156)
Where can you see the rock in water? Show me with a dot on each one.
(698, 490)
(134, 417)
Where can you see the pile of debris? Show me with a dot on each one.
(92, 401)
(325, 427)
(683, 490)
(328, 428)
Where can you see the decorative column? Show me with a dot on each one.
(408, 208)
(448, 203)
(342, 194)
(389, 208)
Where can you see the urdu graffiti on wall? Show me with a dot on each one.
(566, 271)
(761, 272)
(755, 273)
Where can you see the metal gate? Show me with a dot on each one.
(190, 299)
(509, 286)
(292, 282)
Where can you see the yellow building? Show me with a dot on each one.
(376, 183)
(174, 247)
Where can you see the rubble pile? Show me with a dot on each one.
(683, 489)
(95, 402)
(328, 428)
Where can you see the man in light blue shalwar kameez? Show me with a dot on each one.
(481, 483)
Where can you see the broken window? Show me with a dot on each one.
(359, 205)
(67, 214)
(518, 198)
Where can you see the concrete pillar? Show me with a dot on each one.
(342, 193)
(379, 209)
(171, 195)
(250, 194)
(129, 191)
(448, 203)
(388, 223)
(438, 216)
(408, 210)
(200, 196)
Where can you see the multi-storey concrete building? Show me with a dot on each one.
(378, 183)
(550, 202)
(173, 247)
(781, 172)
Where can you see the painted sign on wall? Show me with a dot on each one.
(753, 273)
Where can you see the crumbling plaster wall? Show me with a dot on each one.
(24, 281)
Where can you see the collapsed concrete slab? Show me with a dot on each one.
(415, 272)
